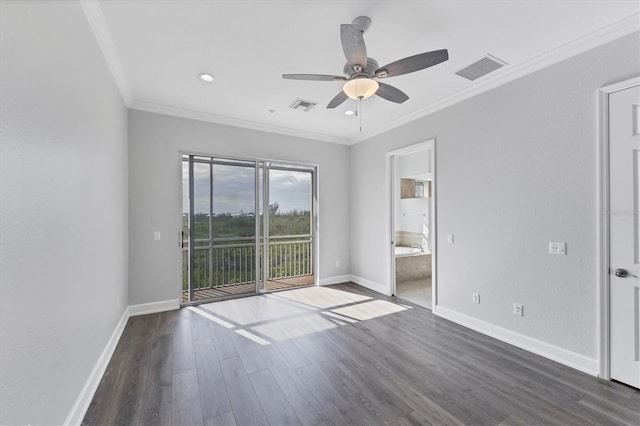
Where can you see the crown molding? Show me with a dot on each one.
(589, 41)
(95, 17)
(235, 122)
(93, 12)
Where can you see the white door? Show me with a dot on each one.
(624, 167)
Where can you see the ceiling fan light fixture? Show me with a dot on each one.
(360, 88)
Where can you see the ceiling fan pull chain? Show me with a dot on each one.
(360, 114)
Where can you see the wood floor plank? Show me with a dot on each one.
(199, 327)
(299, 396)
(315, 351)
(292, 354)
(166, 322)
(159, 382)
(369, 351)
(274, 403)
(335, 408)
(129, 400)
(505, 398)
(565, 412)
(157, 416)
(422, 405)
(185, 386)
(222, 341)
(183, 358)
(249, 352)
(224, 419)
(186, 412)
(214, 398)
(513, 420)
(451, 391)
(246, 406)
(338, 362)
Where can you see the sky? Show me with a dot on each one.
(233, 189)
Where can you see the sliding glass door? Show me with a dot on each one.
(289, 240)
(233, 246)
(220, 243)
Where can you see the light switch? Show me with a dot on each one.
(557, 248)
(156, 236)
(450, 238)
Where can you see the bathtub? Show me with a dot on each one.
(407, 251)
(412, 263)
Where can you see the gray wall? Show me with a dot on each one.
(154, 185)
(63, 208)
(516, 168)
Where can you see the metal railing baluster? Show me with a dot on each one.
(228, 262)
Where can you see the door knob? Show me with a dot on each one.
(623, 273)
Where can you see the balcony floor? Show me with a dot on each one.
(237, 290)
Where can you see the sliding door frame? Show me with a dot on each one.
(262, 165)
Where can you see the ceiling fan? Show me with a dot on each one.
(361, 73)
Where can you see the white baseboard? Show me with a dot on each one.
(153, 307)
(563, 356)
(371, 285)
(336, 279)
(79, 409)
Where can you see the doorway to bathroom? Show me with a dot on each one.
(412, 188)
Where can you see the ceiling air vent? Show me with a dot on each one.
(481, 67)
(303, 105)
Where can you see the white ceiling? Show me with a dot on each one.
(157, 48)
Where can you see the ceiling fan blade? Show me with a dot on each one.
(413, 63)
(353, 44)
(338, 99)
(390, 93)
(314, 77)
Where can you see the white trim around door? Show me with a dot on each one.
(430, 145)
(603, 225)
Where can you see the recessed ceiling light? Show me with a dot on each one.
(348, 112)
(205, 77)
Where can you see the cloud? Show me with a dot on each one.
(233, 189)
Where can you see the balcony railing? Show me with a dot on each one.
(227, 262)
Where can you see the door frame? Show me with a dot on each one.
(429, 144)
(266, 166)
(603, 222)
(315, 214)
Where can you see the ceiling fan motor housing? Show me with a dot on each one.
(351, 71)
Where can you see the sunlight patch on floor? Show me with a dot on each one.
(281, 316)
(291, 328)
(369, 310)
(322, 297)
(253, 337)
(210, 317)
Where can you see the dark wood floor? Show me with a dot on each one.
(338, 355)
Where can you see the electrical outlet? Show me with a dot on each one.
(518, 309)
(476, 297)
(450, 238)
(337, 263)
